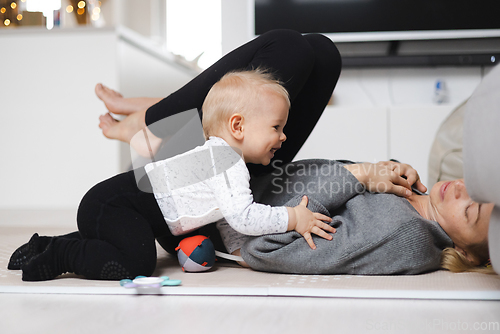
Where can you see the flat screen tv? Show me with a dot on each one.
(396, 23)
(374, 20)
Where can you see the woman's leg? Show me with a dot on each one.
(118, 224)
(308, 66)
(310, 100)
(286, 53)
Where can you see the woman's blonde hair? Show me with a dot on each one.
(236, 92)
(454, 261)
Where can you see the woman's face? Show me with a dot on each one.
(465, 221)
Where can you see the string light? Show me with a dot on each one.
(96, 11)
(69, 9)
(19, 17)
(3, 10)
(80, 11)
(6, 22)
(13, 5)
(81, 4)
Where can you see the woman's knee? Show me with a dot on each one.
(285, 35)
(311, 45)
(293, 42)
(325, 51)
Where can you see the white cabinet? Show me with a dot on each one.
(358, 134)
(375, 134)
(411, 133)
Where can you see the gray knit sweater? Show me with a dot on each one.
(377, 234)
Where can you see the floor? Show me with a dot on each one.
(114, 313)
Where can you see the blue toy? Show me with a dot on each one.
(196, 253)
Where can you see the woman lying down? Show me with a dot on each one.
(376, 233)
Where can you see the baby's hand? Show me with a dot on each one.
(387, 177)
(307, 222)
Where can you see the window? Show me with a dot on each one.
(193, 28)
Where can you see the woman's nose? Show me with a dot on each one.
(460, 190)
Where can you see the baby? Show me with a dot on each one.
(244, 112)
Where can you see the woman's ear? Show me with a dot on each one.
(467, 255)
(236, 126)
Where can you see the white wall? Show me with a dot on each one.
(50, 144)
(237, 23)
(52, 150)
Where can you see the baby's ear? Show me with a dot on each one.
(236, 126)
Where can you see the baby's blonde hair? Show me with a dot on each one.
(236, 92)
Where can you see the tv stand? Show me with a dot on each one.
(420, 53)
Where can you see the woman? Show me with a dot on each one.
(377, 233)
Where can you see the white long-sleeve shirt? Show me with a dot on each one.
(207, 184)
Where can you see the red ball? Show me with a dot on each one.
(196, 253)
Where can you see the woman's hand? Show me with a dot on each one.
(387, 177)
(304, 221)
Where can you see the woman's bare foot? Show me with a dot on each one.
(111, 128)
(132, 130)
(117, 104)
(122, 130)
(114, 101)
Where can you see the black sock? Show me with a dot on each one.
(44, 266)
(26, 252)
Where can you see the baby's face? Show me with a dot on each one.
(263, 128)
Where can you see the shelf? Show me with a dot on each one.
(487, 59)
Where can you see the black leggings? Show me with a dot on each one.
(117, 226)
(308, 66)
(118, 223)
